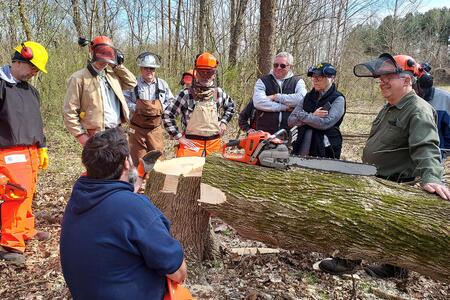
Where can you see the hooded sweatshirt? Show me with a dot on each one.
(115, 244)
(20, 114)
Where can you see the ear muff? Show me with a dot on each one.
(26, 52)
(425, 81)
(329, 70)
(410, 63)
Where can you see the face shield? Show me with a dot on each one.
(104, 53)
(383, 65)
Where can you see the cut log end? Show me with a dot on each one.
(186, 166)
(211, 195)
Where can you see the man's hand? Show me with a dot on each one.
(188, 143)
(180, 275)
(251, 130)
(222, 128)
(440, 189)
(273, 97)
(43, 158)
(320, 112)
(82, 138)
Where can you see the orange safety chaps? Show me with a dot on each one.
(21, 164)
(205, 148)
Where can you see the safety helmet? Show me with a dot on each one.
(102, 49)
(387, 64)
(206, 61)
(148, 60)
(101, 39)
(32, 52)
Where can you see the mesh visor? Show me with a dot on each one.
(104, 53)
(383, 65)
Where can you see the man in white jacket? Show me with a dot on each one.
(277, 94)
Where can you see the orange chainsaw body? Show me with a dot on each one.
(248, 145)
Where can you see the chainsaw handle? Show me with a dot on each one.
(232, 143)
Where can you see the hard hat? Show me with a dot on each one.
(387, 64)
(101, 39)
(102, 49)
(407, 64)
(33, 52)
(206, 61)
(189, 72)
(148, 60)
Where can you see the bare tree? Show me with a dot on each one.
(24, 19)
(237, 12)
(266, 33)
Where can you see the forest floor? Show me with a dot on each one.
(282, 275)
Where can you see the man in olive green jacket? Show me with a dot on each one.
(403, 144)
(94, 100)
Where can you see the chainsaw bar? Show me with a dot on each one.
(332, 165)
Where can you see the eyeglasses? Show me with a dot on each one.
(387, 78)
(148, 68)
(283, 66)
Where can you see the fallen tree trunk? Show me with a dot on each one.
(360, 217)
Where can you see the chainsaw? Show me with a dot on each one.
(272, 150)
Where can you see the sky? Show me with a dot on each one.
(430, 4)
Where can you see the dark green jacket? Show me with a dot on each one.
(404, 141)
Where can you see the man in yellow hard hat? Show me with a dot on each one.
(23, 149)
(94, 100)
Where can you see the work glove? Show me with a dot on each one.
(43, 158)
(120, 58)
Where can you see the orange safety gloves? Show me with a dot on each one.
(43, 158)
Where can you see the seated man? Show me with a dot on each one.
(115, 244)
(319, 115)
(277, 94)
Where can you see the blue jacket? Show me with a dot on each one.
(115, 244)
(440, 100)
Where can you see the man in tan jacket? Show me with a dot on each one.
(94, 100)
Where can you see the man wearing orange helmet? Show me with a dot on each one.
(94, 100)
(403, 143)
(23, 149)
(200, 105)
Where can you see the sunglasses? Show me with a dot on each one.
(148, 68)
(283, 66)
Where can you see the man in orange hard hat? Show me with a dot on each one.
(23, 149)
(200, 106)
(94, 100)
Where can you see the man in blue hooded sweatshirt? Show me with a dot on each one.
(115, 244)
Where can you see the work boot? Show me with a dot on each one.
(12, 257)
(386, 271)
(42, 236)
(339, 266)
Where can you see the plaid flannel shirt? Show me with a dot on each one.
(185, 104)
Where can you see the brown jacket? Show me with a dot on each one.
(83, 104)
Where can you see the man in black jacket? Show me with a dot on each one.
(277, 94)
(23, 147)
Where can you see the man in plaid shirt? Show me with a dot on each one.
(200, 106)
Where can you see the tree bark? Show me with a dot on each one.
(76, 17)
(266, 36)
(238, 8)
(175, 191)
(359, 217)
(24, 19)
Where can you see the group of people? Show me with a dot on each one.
(124, 240)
